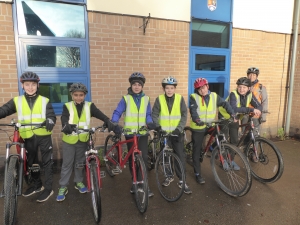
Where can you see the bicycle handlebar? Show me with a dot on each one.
(91, 130)
(18, 125)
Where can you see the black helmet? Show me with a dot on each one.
(169, 81)
(253, 70)
(244, 81)
(29, 76)
(137, 77)
(78, 87)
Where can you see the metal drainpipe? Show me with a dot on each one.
(293, 64)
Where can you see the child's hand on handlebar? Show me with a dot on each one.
(257, 112)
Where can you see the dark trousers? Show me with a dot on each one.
(177, 145)
(197, 140)
(44, 143)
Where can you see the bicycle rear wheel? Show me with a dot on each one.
(168, 169)
(269, 165)
(141, 184)
(10, 191)
(233, 180)
(113, 154)
(95, 192)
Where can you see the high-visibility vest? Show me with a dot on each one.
(135, 118)
(82, 122)
(256, 90)
(36, 115)
(169, 121)
(207, 113)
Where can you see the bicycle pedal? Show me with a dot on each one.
(116, 171)
(102, 174)
(35, 168)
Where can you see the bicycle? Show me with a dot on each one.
(115, 160)
(153, 149)
(265, 159)
(233, 181)
(92, 169)
(15, 169)
(168, 169)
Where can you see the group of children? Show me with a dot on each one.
(169, 113)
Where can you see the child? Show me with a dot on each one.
(77, 112)
(172, 105)
(34, 108)
(136, 102)
(203, 109)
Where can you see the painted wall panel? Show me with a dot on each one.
(166, 9)
(266, 15)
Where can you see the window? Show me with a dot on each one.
(210, 62)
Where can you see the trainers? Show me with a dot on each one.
(32, 190)
(200, 180)
(254, 159)
(186, 189)
(132, 189)
(44, 196)
(150, 193)
(80, 187)
(62, 192)
(225, 165)
(167, 181)
(235, 166)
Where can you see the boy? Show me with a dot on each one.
(77, 112)
(203, 109)
(132, 104)
(172, 105)
(34, 108)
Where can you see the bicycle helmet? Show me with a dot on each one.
(253, 70)
(169, 81)
(244, 81)
(137, 77)
(199, 82)
(78, 87)
(29, 76)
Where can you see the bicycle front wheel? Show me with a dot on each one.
(268, 167)
(113, 155)
(170, 176)
(231, 170)
(153, 150)
(10, 191)
(95, 192)
(141, 184)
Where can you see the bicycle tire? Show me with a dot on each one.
(269, 167)
(235, 183)
(113, 154)
(141, 184)
(95, 192)
(10, 191)
(152, 147)
(188, 144)
(165, 168)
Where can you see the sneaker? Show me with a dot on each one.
(186, 189)
(32, 190)
(80, 187)
(167, 181)
(132, 189)
(225, 165)
(235, 166)
(62, 192)
(253, 158)
(44, 196)
(150, 193)
(200, 180)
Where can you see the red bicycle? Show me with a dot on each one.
(15, 169)
(115, 160)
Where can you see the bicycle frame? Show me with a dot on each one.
(90, 155)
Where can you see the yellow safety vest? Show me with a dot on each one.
(35, 116)
(135, 118)
(82, 122)
(206, 113)
(169, 121)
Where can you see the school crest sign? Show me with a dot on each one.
(212, 5)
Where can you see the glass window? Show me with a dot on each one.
(210, 62)
(210, 34)
(218, 88)
(56, 92)
(50, 19)
(53, 56)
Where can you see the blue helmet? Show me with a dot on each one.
(169, 81)
(137, 77)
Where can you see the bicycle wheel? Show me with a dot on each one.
(269, 166)
(153, 150)
(233, 174)
(10, 191)
(188, 145)
(113, 154)
(95, 192)
(141, 184)
(168, 169)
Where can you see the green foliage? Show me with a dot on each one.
(281, 134)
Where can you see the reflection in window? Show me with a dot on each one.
(210, 62)
(53, 56)
(54, 19)
(210, 34)
(218, 88)
(56, 92)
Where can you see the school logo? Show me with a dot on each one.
(212, 5)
